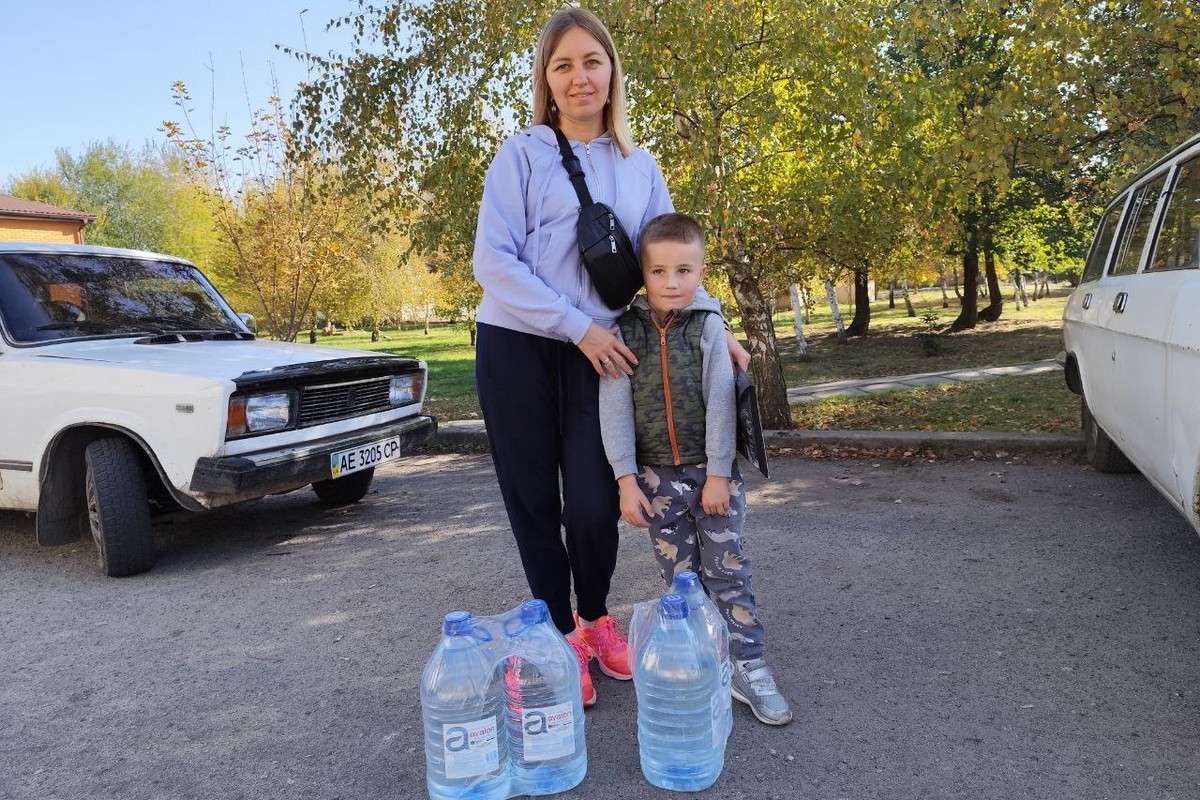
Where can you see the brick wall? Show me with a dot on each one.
(40, 230)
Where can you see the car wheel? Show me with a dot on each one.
(1102, 453)
(117, 508)
(344, 491)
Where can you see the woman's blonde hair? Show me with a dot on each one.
(616, 114)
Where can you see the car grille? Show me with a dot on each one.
(320, 404)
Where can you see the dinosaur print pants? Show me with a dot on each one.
(684, 537)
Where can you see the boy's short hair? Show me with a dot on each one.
(673, 227)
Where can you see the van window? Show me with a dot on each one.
(1133, 237)
(1178, 244)
(1101, 244)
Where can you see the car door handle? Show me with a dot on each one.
(1087, 301)
(1119, 302)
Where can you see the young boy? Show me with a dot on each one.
(669, 433)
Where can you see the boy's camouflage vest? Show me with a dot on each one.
(668, 390)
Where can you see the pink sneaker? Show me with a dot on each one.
(609, 645)
(584, 654)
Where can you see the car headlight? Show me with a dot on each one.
(259, 413)
(406, 389)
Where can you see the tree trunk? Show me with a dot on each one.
(1019, 295)
(764, 358)
(968, 316)
(996, 306)
(891, 294)
(945, 297)
(912, 312)
(831, 296)
(957, 292)
(862, 305)
(798, 325)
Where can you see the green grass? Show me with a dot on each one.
(889, 348)
(1038, 403)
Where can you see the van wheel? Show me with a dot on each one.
(344, 491)
(117, 508)
(1102, 453)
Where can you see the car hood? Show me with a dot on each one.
(212, 359)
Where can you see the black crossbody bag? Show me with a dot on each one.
(604, 246)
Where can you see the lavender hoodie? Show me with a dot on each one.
(526, 251)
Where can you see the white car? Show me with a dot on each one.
(129, 386)
(1131, 331)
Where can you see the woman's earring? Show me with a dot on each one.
(553, 107)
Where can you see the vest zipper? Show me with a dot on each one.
(666, 379)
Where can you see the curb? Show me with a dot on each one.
(469, 436)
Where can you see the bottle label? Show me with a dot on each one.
(548, 732)
(471, 748)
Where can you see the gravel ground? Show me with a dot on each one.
(963, 629)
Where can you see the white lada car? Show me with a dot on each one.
(129, 386)
(1131, 331)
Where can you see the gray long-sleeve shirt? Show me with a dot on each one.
(720, 406)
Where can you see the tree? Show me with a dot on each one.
(1033, 86)
(142, 200)
(293, 239)
(411, 107)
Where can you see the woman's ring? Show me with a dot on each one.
(606, 360)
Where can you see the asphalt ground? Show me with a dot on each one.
(958, 628)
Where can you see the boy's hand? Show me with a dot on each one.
(635, 508)
(714, 497)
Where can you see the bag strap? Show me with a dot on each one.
(574, 169)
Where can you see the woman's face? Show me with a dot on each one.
(578, 75)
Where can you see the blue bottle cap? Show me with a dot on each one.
(674, 606)
(457, 623)
(686, 581)
(534, 611)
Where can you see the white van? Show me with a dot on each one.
(1131, 331)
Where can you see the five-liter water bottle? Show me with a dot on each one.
(703, 614)
(681, 737)
(466, 749)
(544, 705)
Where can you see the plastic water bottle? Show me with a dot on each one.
(546, 743)
(704, 615)
(466, 751)
(677, 677)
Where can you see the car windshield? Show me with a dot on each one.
(49, 296)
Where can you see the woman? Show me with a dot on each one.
(544, 334)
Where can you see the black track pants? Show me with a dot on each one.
(541, 407)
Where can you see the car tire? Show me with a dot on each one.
(1102, 453)
(118, 510)
(344, 491)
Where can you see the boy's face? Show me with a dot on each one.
(672, 271)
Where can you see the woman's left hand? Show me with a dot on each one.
(608, 354)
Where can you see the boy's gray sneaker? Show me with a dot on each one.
(754, 685)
